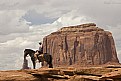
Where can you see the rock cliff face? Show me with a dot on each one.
(84, 44)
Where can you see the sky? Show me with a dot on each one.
(24, 23)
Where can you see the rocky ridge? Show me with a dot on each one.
(105, 73)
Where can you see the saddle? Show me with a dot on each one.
(39, 56)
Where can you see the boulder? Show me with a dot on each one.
(84, 44)
(25, 64)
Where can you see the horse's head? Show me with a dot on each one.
(25, 53)
(29, 51)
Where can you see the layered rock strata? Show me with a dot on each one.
(84, 44)
(64, 74)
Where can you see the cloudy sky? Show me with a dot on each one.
(23, 23)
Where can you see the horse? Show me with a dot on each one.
(43, 57)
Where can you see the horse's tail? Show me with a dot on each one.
(48, 59)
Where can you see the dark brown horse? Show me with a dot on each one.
(43, 57)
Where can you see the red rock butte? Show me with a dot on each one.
(84, 44)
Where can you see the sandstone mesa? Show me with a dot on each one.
(82, 45)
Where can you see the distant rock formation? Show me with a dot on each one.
(25, 64)
(83, 44)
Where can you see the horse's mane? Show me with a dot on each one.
(29, 50)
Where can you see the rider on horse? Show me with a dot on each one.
(38, 55)
(40, 51)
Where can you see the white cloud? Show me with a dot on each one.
(11, 22)
(116, 31)
(19, 4)
(73, 18)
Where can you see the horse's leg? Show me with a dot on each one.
(46, 59)
(42, 63)
(40, 58)
(50, 65)
(50, 61)
(34, 64)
